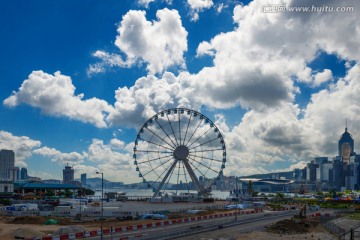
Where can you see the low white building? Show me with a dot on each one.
(6, 186)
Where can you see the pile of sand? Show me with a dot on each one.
(290, 226)
(28, 220)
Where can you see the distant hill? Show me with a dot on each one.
(287, 175)
(95, 183)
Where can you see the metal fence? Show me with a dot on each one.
(331, 224)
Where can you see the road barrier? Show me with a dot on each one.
(107, 231)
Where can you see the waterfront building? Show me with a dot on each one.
(311, 171)
(32, 190)
(68, 174)
(321, 160)
(352, 177)
(297, 174)
(7, 164)
(346, 146)
(83, 179)
(6, 187)
(325, 171)
(16, 173)
(23, 174)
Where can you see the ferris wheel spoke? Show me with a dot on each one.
(197, 169)
(174, 144)
(200, 137)
(187, 183)
(178, 176)
(204, 143)
(162, 139)
(148, 141)
(152, 151)
(154, 159)
(209, 150)
(179, 128)
(153, 169)
(207, 167)
(197, 127)
(187, 128)
(165, 177)
(212, 159)
(172, 129)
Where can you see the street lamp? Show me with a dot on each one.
(102, 202)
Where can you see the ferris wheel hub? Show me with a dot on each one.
(181, 152)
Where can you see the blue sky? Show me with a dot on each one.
(79, 78)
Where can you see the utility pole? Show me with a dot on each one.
(102, 203)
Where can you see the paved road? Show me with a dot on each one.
(200, 228)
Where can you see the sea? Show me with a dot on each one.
(133, 192)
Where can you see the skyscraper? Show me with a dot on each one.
(23, 174)
(346, 146)
(83, 179)
(7, 164)
(68, 174)
(16, 173)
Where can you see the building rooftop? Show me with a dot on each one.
(37, 185)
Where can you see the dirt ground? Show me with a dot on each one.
(282, 230)
(11, 227)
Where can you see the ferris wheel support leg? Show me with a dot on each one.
(193, 177)
(164, 179)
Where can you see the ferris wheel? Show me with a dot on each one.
(179, 149)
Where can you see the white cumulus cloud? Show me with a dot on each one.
(197, 6)
(60, 157)
(55, 95)
(158, 44)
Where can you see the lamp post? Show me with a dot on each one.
(102, 202)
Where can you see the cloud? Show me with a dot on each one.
(150, 95)
(136, 42)
(264, 138)
(197, 6)
(60, 157)
(288, 134)
(324, 117)
(322, 77)
(55, 96)
(100, 152)
(114, 159)
(145, 3)
(314, 79)
(21, 145)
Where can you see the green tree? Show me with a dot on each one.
(68, 193)
(280, 196)
(85, 192)
(50, 193)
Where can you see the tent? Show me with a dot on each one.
(51, 222)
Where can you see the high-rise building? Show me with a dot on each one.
(311, 171)
(23, 174)
(16, 173)
(7, 164)
(83, 179)
(68, 174)
(346, 146)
